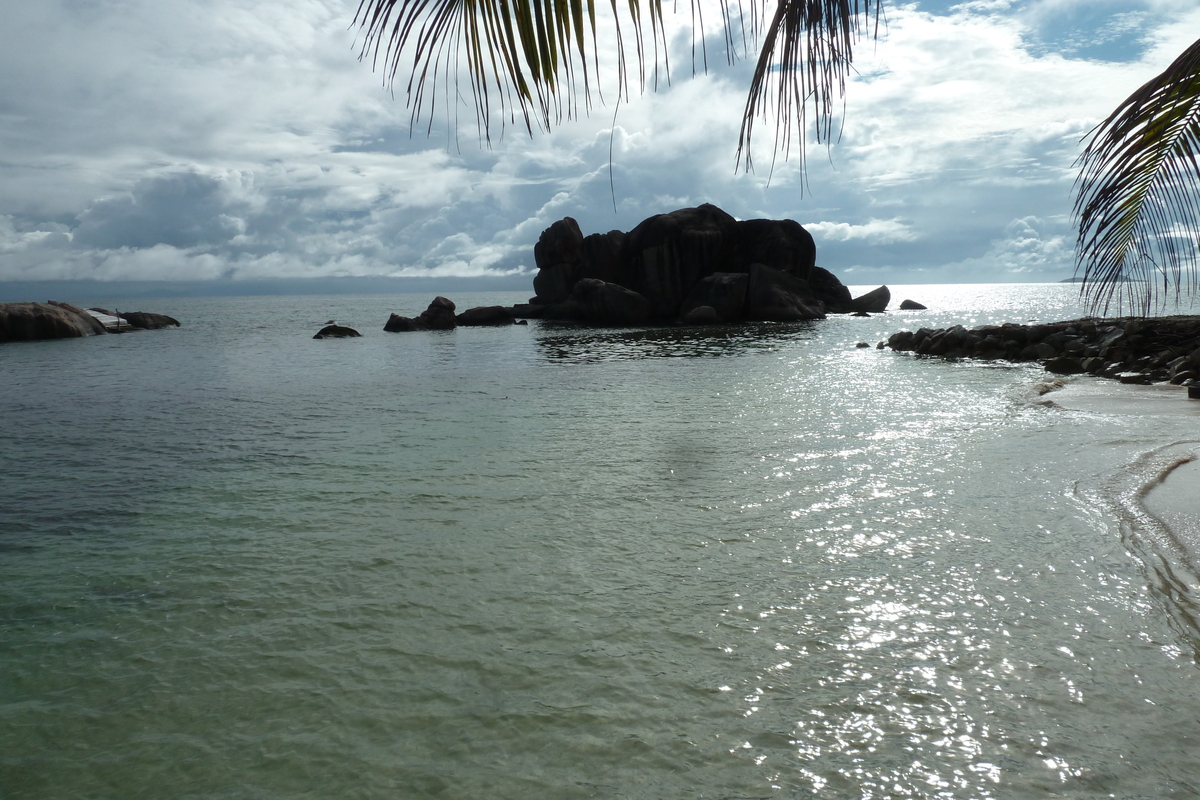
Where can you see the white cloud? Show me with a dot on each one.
(243, 139)
(880, 231)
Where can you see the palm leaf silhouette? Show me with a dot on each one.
(1137, 193)
(536, 60)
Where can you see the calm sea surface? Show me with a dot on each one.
(547, 562)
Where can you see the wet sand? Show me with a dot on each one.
(1176, 499)
(1109, 397)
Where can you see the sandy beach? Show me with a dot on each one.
(1175, 500)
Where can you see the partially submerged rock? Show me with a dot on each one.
(439, 316)
(485, 316)
(911, 305)
(142, 320)
(336, 332)
(399, 324)
(149, 322)
(873, 302)
(23, 322)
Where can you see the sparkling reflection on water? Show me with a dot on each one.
(755, 562)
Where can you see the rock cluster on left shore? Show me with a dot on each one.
(25, 322)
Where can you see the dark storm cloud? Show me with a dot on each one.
(181, 210)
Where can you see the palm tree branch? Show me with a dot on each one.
(1138, 193)
(806, 57)
(531, 55)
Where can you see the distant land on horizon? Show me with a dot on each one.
(71, 290)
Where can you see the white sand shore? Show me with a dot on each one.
(1176, 500)
(1109, 397)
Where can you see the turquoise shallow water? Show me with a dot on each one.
(550, 562)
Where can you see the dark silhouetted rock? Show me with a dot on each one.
(557, 254)
(336, 332)
(20, 322)
(149, 322)
(399, 324)
(701, 315)
(609, 304)
(567, 311)
(601, 256)
(829, 290)
(723, 292)
(874, 301)
(667, 254)
(774, 296)
(485, 315)
(911, 305)
(1063, 365)
(781, 244)
(528, 310)
(438, 317)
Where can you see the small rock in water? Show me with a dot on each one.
(1194, 392)
(911, 305)
(862, 344)
(336, 332)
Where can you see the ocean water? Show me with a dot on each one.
(549, 562)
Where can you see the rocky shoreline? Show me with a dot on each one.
(1129, 349)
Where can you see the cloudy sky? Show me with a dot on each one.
(243, 140)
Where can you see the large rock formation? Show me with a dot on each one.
(21, 322)
(672, 264)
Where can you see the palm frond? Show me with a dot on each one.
(526, 57)
(531, 57)
(806, 57)
(1138, 194)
